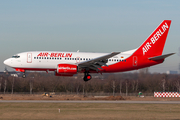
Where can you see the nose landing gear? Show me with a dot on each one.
(24, 75)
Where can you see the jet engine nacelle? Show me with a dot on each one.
(66, 70)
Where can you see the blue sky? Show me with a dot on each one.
(86, 25)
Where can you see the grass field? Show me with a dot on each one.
(88, 111)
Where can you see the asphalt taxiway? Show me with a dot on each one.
(89, 101)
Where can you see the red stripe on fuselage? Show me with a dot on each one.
(37, 69)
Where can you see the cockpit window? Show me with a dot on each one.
(15, 56)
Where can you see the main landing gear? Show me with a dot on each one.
(87, 76)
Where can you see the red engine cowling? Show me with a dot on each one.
(66, 70)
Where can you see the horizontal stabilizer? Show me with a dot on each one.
(160, 57)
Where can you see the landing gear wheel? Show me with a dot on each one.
(87, 77)
(24, 75)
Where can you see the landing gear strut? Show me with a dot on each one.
(24, 75)
(87, 76)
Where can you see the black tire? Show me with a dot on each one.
(87, 77)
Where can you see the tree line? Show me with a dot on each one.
(106, 83)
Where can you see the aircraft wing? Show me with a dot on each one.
(96, 63)
(160, 57)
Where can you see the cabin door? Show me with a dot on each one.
(135, 60)
(29, 57)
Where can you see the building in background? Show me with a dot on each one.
(171, 72)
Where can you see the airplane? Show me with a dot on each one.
(72, 63)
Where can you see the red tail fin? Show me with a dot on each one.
(154, 44)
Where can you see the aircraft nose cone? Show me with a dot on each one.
(7, 62)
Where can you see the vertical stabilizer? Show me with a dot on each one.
(154, 44)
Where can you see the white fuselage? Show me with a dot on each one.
(48, 60)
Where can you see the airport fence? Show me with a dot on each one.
(81, 93)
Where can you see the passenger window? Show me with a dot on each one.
(72, 58)
(39, 57)
(34, 57)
